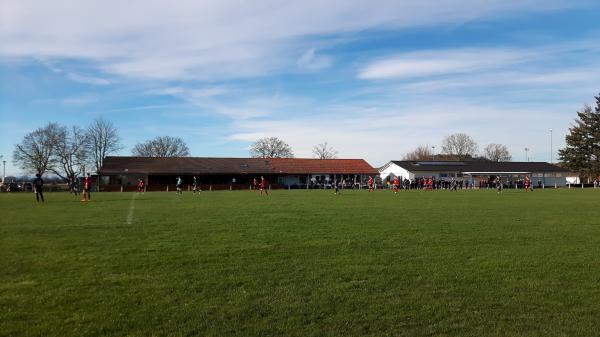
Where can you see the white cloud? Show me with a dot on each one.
(442, 62)
(214, 39)
(188, 93)
(386, 131)
(83, 100)
(88, 79)
(232, 103)
(583, 77)
(311, 61)
(564, 76)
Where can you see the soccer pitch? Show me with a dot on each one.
(301, 263)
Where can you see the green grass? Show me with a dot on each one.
(302, 263)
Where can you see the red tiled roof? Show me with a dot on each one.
(342, 166)
(201, 165)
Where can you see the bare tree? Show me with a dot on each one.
(497, 152)
(422, 152)
(271, 147)
(70, 152)
(162, 147)
(460, 145)
(102, 139)
(35, 153)
(324, 151)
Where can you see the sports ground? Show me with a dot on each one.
(301, 263)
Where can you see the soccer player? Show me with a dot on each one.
(396, 185)
(178, 185)
(38, 186)
(371, 184)
(263, 186)
(87, 186)
(527, 184)
(254, 185)
(499, 185)
(72, 185)
(195, 186)
(140, 185)
(337, 187)
(76, 185)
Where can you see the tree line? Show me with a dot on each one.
(460, 146)
(273, 147)
(67, 151)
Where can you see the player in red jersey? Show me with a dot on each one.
(255, 184)
(140, 185)
(527, 184)
(431, 183)
(87, 186)
(371, 184)
(263, 186)
(396, 185)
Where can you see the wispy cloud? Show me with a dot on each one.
(381, 138)
(442, 62)
(87, 79)
(190, 93)
(577, 78)
(373, 78)
(568, 67)
(232, 103)
(83, 100)
(311, 61)
(228, 40)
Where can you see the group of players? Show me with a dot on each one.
(38, 187)
(428, 184)
(262, 186)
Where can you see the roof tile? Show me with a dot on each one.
(203, 165)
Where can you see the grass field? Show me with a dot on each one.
(301, 263)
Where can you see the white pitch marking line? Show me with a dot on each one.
(131, 209)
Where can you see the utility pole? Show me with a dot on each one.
(551, 154)
(527, 154)
(433, 152)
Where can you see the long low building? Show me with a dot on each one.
(541, 173)
(231, 173)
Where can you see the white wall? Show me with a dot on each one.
(395, 171)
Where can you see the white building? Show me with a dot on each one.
(541, 173)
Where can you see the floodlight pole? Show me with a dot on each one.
(3, 171)
(527, 154)
(433, 152)
(551, 146)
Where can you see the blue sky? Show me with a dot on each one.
(373, 78)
